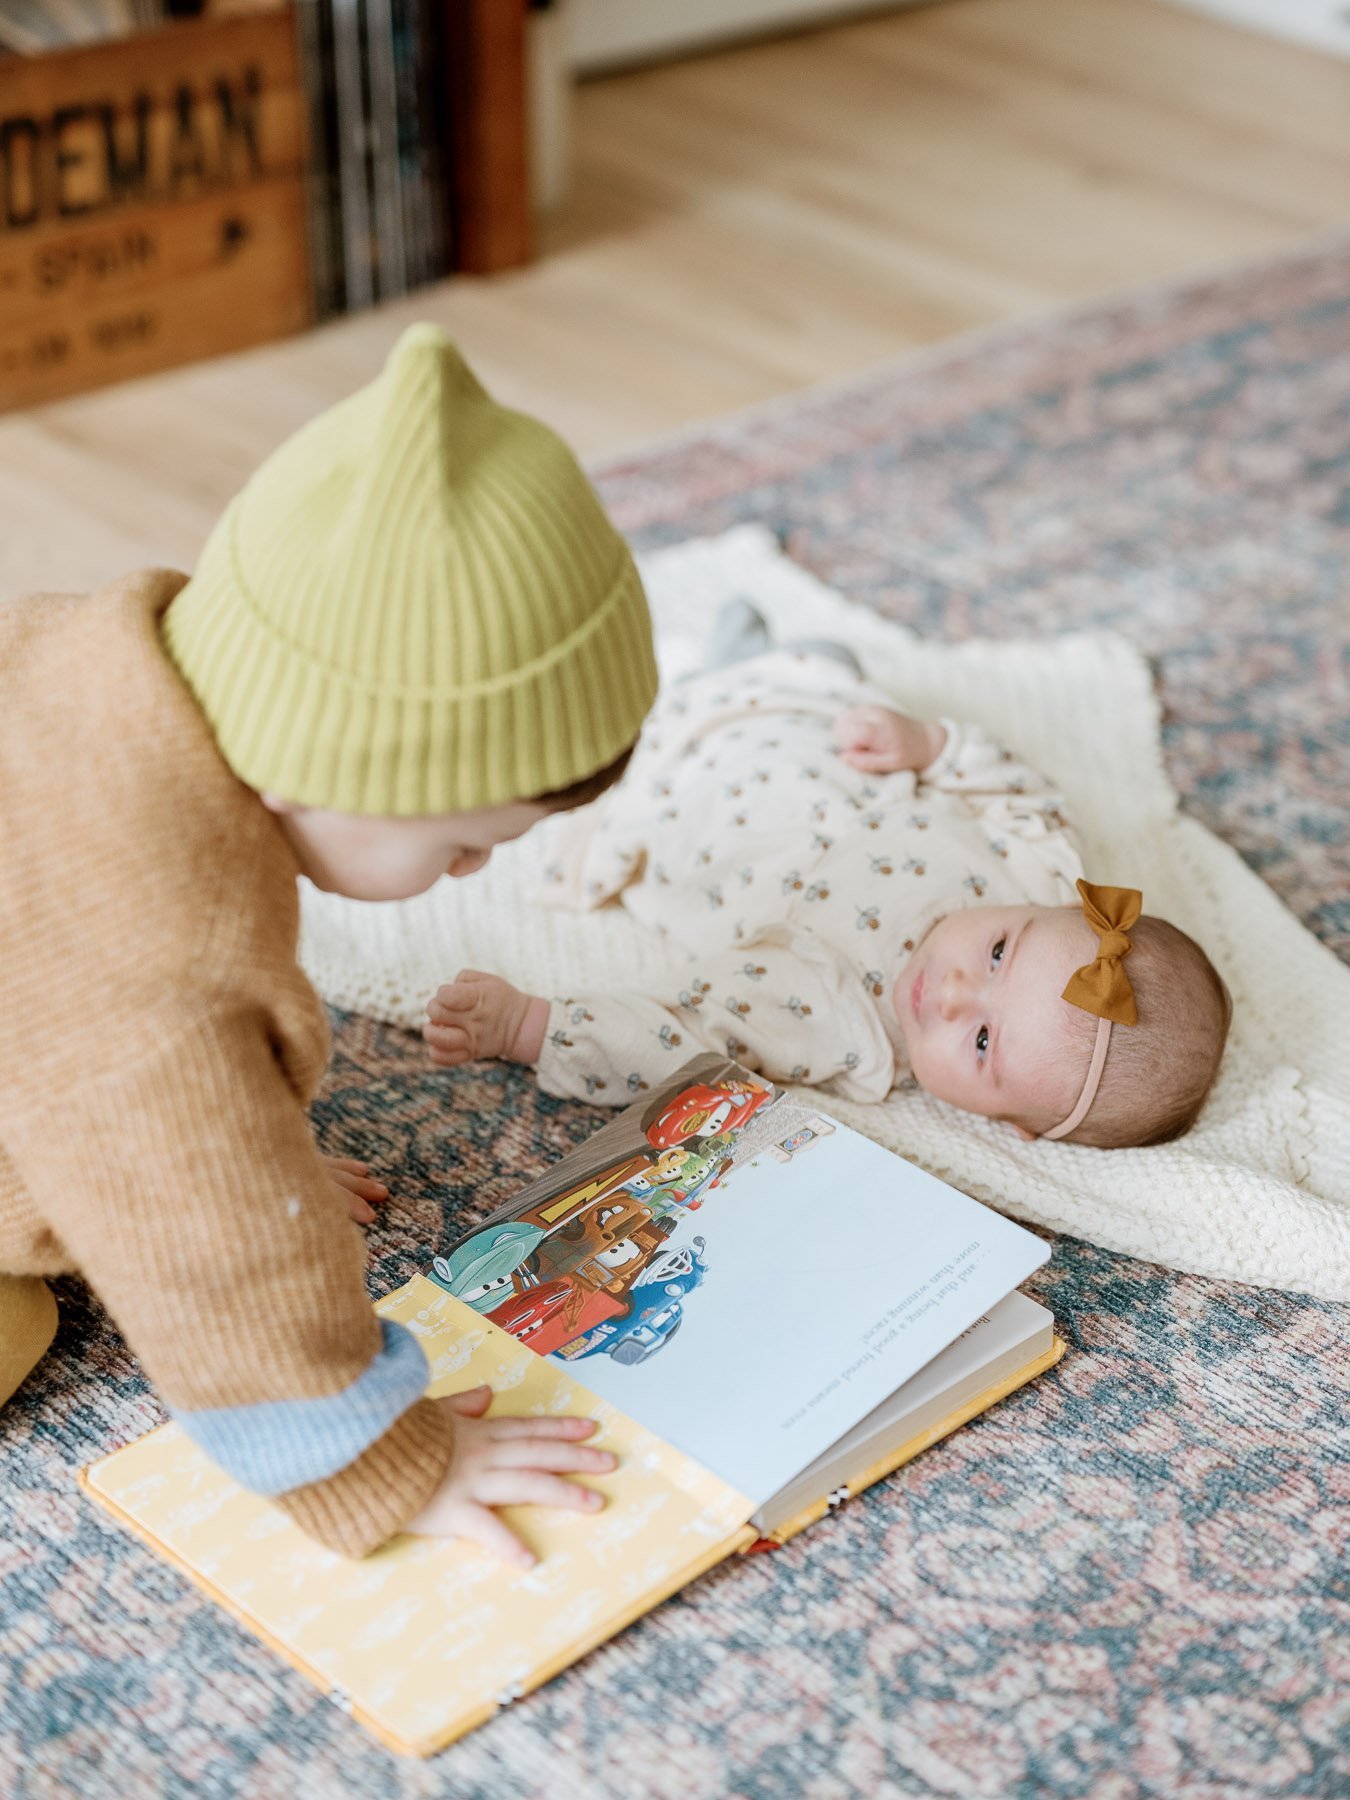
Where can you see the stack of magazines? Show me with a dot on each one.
(378, 119)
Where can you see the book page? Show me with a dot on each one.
(744, 1275)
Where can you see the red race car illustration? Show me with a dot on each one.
(700, 1111)
(551, 1315)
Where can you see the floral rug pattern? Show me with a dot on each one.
(1126, 1582)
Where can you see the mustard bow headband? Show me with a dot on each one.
(1102, 987)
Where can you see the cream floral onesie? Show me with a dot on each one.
(790, 887)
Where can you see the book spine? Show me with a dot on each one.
(431, 109)
(353, 155)
(316, 72)
(412, 176)
(389, 234)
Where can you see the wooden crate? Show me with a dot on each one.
(152, 203)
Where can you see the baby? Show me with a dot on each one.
(852, 898)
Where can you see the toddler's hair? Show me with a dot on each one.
(590, 787)
(1159, 1071)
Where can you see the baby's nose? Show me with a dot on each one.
(953, 995)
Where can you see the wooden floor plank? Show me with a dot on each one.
(755, 220)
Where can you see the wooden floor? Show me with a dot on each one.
(757, 220)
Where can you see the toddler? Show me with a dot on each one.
(412, 636)
(853, 898)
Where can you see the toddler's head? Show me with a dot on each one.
(415, 632)
(982, 1010)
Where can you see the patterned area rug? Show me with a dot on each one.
(1123, 1582)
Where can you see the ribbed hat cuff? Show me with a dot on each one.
(319, 737)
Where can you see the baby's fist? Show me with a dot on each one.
(882, 741)
(478, 1016)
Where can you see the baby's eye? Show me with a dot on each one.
(997, 952)
(982, 1040)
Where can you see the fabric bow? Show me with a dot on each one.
(1102, 987)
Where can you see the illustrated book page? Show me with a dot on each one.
(746, 1276)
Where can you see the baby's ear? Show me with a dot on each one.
(1027, 1137)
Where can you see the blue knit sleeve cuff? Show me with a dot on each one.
(277, 1445)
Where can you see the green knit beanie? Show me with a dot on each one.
(416, 605)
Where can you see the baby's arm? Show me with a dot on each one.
(783, 1006)
(955, 758)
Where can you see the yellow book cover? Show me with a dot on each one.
(425, 1639)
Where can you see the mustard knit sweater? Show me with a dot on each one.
(160, 1049)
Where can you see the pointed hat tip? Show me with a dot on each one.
(425, 356)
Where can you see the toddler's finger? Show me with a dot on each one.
(349, 1163)
(483, 1527)
(555, 1454)
(447, 1037)
(568, 1427)
(358, 1184)
(529, 1487)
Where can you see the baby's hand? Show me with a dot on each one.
(507, 1462)
(881, 741)
(478, 1016)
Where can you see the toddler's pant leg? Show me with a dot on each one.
(27, 1327)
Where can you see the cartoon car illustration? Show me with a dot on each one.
(479, 1271)
(631, 1339)
(548, 1316)
(525, 1315)
(655, 1313)
(678, 1270)
(688, 1195)
(645, 1336)
(701, 1111)
(690, 1172)
(548, 1203)
(667, 1166)
(618, 1265)
(588, 1235)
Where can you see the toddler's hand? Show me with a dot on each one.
(508, 1462)
(358, 1188)
(882, 741)
(477, 1016)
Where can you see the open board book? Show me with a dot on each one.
(765, 1311)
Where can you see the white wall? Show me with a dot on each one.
(604, 34)
(1324, 23)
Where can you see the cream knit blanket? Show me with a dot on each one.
(1258, 1191)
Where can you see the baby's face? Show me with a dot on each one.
(980, 1010)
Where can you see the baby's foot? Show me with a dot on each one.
(477, 1016)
